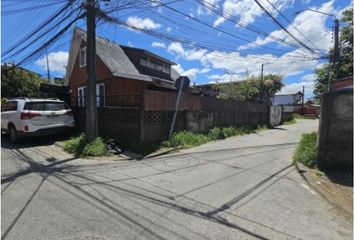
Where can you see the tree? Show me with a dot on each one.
(249, 89)
(344, 67)
(19, 82)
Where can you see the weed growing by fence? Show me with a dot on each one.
(80, 147)
(190, 139)
(306, 151)
(95, 148)
(290, 121)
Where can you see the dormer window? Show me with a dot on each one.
(161, 67)
(82, 57)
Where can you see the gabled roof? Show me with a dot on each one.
(148, 53)
(111, 54)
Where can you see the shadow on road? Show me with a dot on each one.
(29, 142)
(62, 172)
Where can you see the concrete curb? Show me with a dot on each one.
(302, 169)
(59, 144)
(164, 152)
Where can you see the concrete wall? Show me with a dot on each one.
(335, 144)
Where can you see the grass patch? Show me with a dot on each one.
(306, 151)
(290, 121)
(190, 139)
(81, 147)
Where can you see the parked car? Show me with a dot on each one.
(21, 117)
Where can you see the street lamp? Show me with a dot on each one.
(336, 36)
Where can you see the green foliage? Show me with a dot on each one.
(215, 134)
(18, 82)
(345, 64)
(249, 89)
(186, 138)
(95, 148)
(80, 147)
(3, 100)
(76, 145)
(290, 121)
(306, 151)
(189, 139)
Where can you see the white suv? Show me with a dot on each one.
(22, 117)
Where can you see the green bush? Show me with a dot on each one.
(306, 151)
(228, 132)
(76, 145)
(215, 134)
(95, 148)
(186, 138)
(80, 147)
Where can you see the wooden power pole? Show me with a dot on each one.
(91, 107)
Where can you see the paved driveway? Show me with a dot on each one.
(239, 188)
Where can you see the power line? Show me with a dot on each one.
(184, 42)
(286, 19)
(40, 49)
(15, 11)
(39, 28)
(283, 28)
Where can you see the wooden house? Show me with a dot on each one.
(122, 73)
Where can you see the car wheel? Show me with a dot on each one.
(13, 134)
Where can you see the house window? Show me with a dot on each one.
(82, 57)
(158, 67)
(81, 96)
(144, 61)
(100, 95)
(166, 68)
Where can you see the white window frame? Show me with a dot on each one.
(81, 99)
(98, 97)
(83, 50)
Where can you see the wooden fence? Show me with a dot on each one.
(147, 117)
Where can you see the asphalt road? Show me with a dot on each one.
(239, 188)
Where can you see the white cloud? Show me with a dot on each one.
(146, 23)
(158, 45)
(218, 21)
(168, 29)
(57, 62)
(296, 87)
(177, 48)
(311, 26)
(248, 10)
(190, 73)
(204, 10)
(234, 62)
(309, 77)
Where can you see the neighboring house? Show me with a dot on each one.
(122, 73)
(287, 99)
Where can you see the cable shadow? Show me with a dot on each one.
(241, 196)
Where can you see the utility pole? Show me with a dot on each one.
(336, 55)
(261, 90)
(336, 48)
(303, 98)
(48, 71)
(91, 107)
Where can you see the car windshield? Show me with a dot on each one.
(45, 106)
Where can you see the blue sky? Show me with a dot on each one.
(205, 45)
